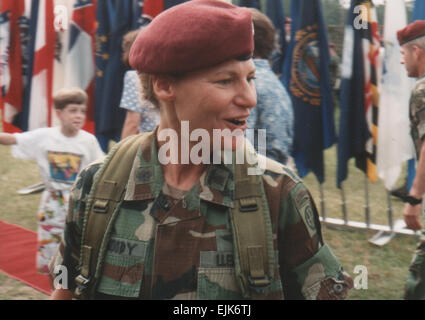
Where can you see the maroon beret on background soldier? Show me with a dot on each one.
(411, 32)
(208, 32)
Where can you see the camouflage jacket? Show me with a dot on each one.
(162, 247)
(417, 114)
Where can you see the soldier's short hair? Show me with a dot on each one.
(66, 96)
(146, 90)
(419, 42)
(264, 34)
(146, 86)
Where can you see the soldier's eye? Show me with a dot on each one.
(224, 81)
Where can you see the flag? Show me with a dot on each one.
(4, 51)
(359, 97)
(137, 18)
(114, 19)
(310, 89)
(80, 66)
(394, 146)
(38, 96)
(171, 3)
(274, 11)
(250, 4)
(11, 77)
(63, 14)
(151, 8)
(418, 10)
(286, 74)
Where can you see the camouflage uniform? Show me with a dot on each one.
(168, 246)
(415, 287)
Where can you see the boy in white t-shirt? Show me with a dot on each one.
(60, 152)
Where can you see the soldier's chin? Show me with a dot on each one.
(232, 143)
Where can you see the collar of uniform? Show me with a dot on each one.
(146, 179)
(217, 185)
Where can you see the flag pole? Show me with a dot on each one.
(322, 202)
(390, 211)
(344, 205)
(367, 208)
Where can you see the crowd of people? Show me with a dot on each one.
(135, 224)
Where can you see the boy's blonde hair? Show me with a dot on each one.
(67, 96)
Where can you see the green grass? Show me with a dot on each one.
(387, 266)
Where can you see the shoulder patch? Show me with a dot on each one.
(303, 203)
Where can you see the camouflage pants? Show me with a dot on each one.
(415, 286)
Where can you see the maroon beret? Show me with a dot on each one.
(411, 32)
(191, 36)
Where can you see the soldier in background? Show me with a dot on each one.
(412, 43)
(175, 234)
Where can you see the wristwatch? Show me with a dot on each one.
(412, 200)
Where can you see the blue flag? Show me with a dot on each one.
(295, 13)
(250, 4)
(359, 93)
(21, 120)
(170, 3)
(419, 10)
(310, 88)
(275, 13)
(115, 19)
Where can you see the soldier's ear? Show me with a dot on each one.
(163, 88)
(417, 51)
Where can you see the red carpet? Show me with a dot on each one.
(18, 247)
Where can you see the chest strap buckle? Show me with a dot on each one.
(82, 284)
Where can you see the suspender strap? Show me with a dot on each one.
(105, 196)
(252, 234)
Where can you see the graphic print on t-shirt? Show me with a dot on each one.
(64, 166)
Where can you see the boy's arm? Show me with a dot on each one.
(62, 294)
(7, 138)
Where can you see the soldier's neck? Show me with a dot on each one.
(421, 69)
(182, 176)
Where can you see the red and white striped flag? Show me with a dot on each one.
(11, 74)
(80, 65)
(40, 103)
(62, 11)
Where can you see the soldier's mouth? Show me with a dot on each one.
(237, 122)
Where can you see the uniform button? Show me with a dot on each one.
(338, 288)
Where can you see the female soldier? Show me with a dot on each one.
(182, 227)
